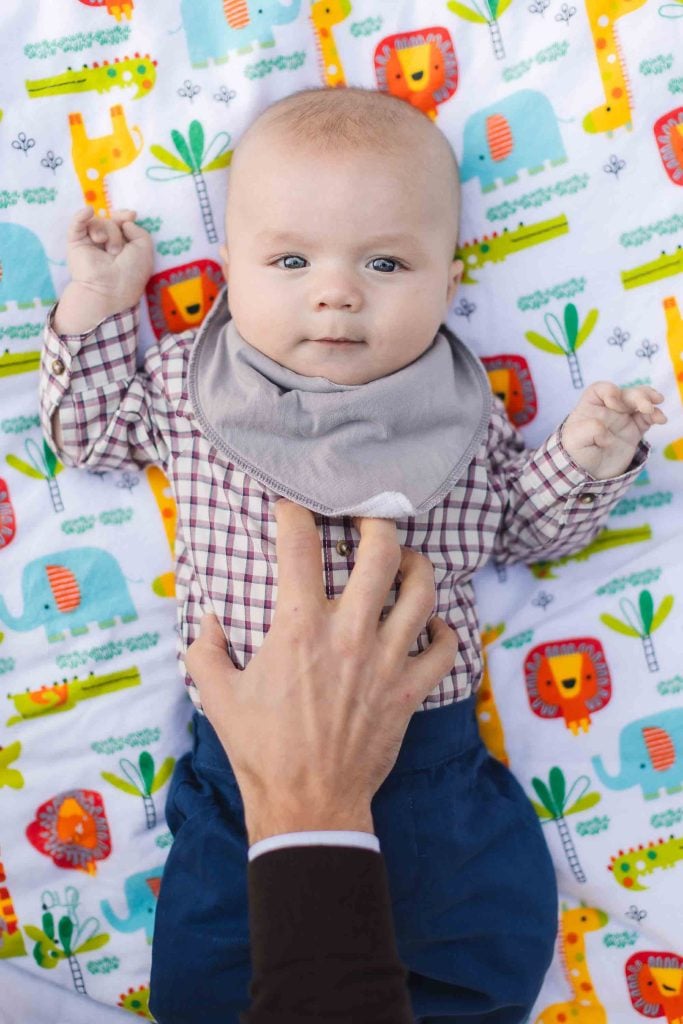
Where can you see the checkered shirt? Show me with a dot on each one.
(512, 504)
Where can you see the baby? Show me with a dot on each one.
(331, 384)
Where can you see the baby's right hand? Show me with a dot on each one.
(109, 259)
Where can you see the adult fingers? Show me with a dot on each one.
(423, 672)
(414, 603)
(207, 660)
(373, 574)
(299, 559)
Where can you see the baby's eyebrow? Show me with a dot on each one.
(285, 237)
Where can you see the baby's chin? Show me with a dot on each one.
(346, 364)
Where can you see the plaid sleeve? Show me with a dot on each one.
(551, 506)
(110, 413)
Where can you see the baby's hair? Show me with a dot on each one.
(355, 118)
(352, 116)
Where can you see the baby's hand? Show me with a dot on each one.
(110, 262)
(111, 258)
(603, 431)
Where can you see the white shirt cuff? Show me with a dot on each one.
(363, 840)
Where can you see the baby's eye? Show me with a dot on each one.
(387, 263)
(299, 258)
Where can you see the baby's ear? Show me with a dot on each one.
(223, 252)
(455, 277)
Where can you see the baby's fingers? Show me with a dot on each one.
(106, 233)
(645, 401)
(78, 226)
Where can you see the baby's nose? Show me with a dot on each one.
(337, 296)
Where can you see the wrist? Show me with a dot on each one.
(81, 308)
(278, 818)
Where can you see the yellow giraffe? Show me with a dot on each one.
(602, 15)
(490, 725)
(11, 939)
(324, 14)
(674, 339)
(94, 159)
(164, 585)
(585, 1007)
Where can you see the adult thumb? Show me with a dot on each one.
(207, 660)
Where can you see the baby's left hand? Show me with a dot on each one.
(603, 431)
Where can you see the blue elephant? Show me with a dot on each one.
(24, 273)
(69, 589)
(213, 29)
(142, 892)
(519, 131)
(651, 753)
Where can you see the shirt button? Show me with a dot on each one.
(587, 498)
(58, 367)
(343, 547)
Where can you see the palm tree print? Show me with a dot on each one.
(50, 950)
(194, 159)
(486, 12)
(142, 781)
(556, 803)
(565, 338)
(44, 466)
(641, 622)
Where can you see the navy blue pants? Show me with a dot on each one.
(472, 884)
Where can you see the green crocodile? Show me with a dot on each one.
(604, 540)
(49, 700)
(627, 867)
(130, 71)
(495, 248)
(664, 266)
(18, 362)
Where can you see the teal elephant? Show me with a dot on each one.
(141, 892)
(651, 753)
(24, 272)
(519, 132)
(68, 590)
(213, 30)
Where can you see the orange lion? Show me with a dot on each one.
(655, 984)
(419, 67)
(569, 679)
(178, 299)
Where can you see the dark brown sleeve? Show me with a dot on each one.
(322, 939)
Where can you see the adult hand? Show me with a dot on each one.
(313, 724)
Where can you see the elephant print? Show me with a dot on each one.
(70, 589)
(214, 28)
(24, 271)
(651, 754)
(141, 892)
(518, 132)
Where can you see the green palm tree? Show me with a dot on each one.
(141, 780)
(486, 12)
(556, 803)
(570, 336)
(44, 466)
(193, 159)
(641, 622)
(49, 951)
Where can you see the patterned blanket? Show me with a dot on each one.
(567, 119)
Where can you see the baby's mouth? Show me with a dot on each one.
(337, 341)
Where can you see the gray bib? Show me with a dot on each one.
(391, 448)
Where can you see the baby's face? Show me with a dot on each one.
(330, 246)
